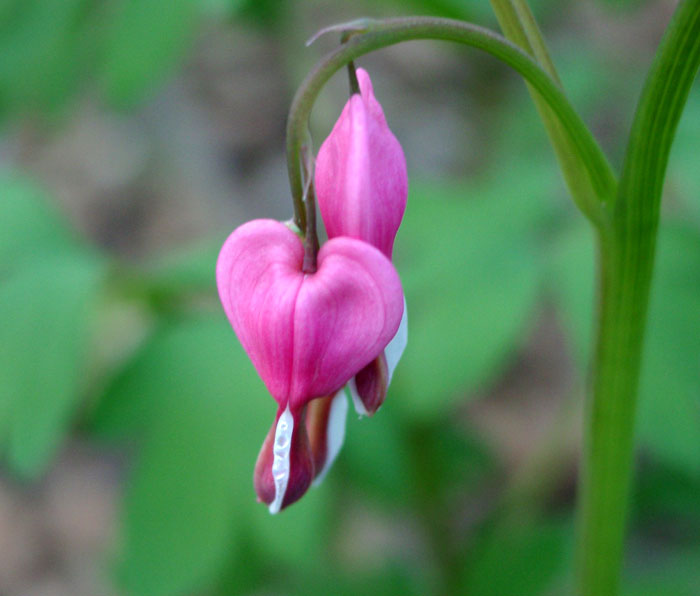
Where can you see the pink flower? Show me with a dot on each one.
(361, 187)
(361, 182)
(306, 334)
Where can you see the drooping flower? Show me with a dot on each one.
(306, 334)
(360, 179)
(362, 186)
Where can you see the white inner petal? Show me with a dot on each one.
(357, 402)
(393, 352)
(397, 345)
(280, 464)
(335, 433)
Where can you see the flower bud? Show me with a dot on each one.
(360, 179)
(369, 386)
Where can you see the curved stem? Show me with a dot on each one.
(388, 32)
(519, 26)
(626, 251)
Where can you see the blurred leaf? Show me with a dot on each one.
(683, 173)
(667, 500)
(468, 257)
(476, 11)
(41, 53)
(659, 575)
(192, 486)
(45, 316)
(146, 40)
(390, 582)
(669, 416)
(190, 269)
(375, 456)
(29, 226)
(191, 496)
(263, 13)
(669, 408)
(131, 400)
(221, 8)
(522, 560)
(571, 270)
(298, 537)
(456, 457)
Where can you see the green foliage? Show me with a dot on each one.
(474, 256)
(47, 310)
(669, 414)
(470, 266)
(683, 175)
(665, 500)
(41, 44)
(191, 268)
(675, 575)
(30, 227)
(49, 48)
(49, 286)
(206, 416)
(375, 475)
(527, 560)
(571, 273)
(204, 413)
(146, 39)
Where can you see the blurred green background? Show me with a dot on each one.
(136, 134)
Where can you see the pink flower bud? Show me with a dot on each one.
(361, 183)
(371, 384)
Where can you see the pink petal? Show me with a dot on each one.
(361, 182)
(307, 335)
(259, 276)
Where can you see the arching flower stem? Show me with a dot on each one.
(383, 33)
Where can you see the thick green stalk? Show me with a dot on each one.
(380, 34)
(520, 27)
(626, 250)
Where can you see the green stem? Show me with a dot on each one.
(626, 249)
(519, 26)
(388, 32)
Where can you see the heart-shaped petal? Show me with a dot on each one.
(307, 334)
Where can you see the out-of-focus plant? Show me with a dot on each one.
(624, 216)
(132, 354)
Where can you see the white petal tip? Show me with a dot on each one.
(280, 464)
(335, 433)
(397, 345)
(357, 402)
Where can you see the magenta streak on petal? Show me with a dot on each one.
(349, 311)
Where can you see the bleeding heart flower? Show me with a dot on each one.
(306, 334)
(361, 186)
(361, 182)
